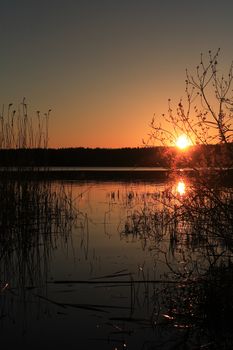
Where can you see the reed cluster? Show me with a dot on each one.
(34, 217)
(19, 129)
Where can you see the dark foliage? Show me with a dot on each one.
(211, 155)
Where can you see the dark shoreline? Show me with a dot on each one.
(82, 175)
(122, 157)
(155, 175)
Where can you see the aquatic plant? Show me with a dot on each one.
(19, 129)
(192, 233)
(33, 217)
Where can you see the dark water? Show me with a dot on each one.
(77, 168)
(98, 265)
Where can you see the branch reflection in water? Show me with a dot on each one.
(196, 221)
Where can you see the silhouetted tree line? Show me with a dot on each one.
(210, 155)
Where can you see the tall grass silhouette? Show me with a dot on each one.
(34, 216)
(19, 129)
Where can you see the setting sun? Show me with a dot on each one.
(183, 141)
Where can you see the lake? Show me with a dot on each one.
(103, 264)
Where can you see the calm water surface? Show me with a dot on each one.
(46, 301)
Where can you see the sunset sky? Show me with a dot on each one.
(105, 67)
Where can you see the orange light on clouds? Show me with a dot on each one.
(183, 142)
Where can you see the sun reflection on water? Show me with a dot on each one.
(181, 188)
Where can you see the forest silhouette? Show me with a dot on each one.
(210, 155)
